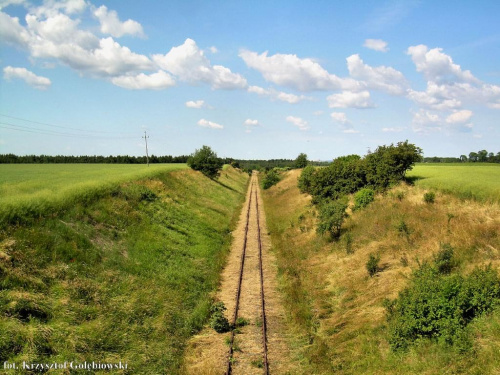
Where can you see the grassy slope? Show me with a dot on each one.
(127, 277)
(479, 181)
(33, 189)
(339, 309)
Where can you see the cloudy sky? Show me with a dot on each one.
(251, 79)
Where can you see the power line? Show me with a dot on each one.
(27, 129)
(58, 126)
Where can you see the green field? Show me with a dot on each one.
(127, 277)
(476, 181)
(32, 189)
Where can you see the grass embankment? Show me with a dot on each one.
(126, 278)
(339, 309)
(478, 181)
(27, 190)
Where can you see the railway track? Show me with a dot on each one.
(250, 264)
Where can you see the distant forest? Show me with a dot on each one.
(482, 156)
(153, 159)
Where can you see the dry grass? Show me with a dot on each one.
(330, 294)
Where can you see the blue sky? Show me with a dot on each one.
(251, 79)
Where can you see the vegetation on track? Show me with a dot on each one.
(127, 277)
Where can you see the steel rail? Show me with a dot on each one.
(238, 292)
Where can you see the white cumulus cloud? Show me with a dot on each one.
(348, 99)
(156, 81)
(376, 45)
(449, 87)
(195, 104)
(438, 66)
(190, 64)
(292, 71)
(298, 122)
(111, 24)
(250, 122)
(278, 95)
(339, 117)
(209, 124)
(382, 78)
(459, 117)
(38, 82)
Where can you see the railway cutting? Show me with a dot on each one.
(249, 291)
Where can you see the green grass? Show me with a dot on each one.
(27, 190)
(127, 277)
(478, 181)
(340, 312)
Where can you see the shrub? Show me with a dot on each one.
(363, 198)
(404, 229)
(429, 197)
(271, 178)
(206, 161)
(343, 176)
(400, 195)
(444, 259)
(348, 243)
(372, 264)
(331, 217)
(306, 179)
(439, 307)
(218, 321)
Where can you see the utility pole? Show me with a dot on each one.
(146, 139)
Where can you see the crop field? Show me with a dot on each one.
(476, 181)
(32, 189)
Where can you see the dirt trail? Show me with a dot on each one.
(207, 352)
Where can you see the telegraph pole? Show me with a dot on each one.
(146, 139)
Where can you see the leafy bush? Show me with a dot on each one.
(206, 161)
(331, 217)
(429, 197)
(388, 164)
(218, 320)
(384, 167)
(444, 259)
(343, 176)
(306, 179)
(363, 198)
(372, 264)
(271, 178)
(439, 307)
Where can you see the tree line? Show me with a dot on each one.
(89, 159)
(481, 156)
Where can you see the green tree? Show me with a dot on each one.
(482, 156)
(206, 161)
(473, 156)
(389, 164)
(301, 161)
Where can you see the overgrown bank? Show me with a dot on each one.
(344, 312)
(127, 278)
